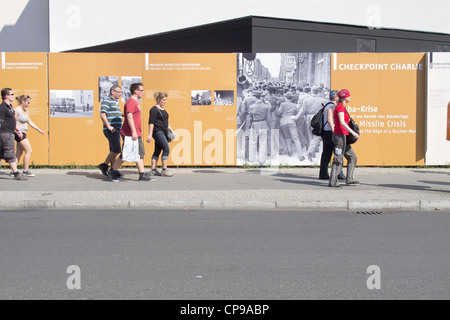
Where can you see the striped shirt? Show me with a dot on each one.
(110, 106)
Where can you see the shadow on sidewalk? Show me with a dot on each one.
(275, 173)
(310, 182)
(431, 172)
(441, 183)
(208, 171)
(128, 175)
(96, 176)
(411, 187)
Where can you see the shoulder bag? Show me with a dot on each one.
(354, 126)
(169, 135)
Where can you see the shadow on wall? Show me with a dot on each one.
(31, 31)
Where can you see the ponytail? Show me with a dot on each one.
(22, 98)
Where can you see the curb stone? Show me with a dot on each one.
(383, 205)
(434, 204)
(423, 205)
(91, 204)
(338, 205)
(166, 204)
(238, 205)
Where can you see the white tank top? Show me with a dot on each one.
(22, 120)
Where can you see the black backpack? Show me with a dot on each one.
(354, 126)
(317, 121)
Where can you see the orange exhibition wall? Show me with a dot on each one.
(26, 74)
(205, 126)
(388, 100)
(76, 135)
(205, 133)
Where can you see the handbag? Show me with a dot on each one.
(130, 152)
(169, 134)
(354, 126)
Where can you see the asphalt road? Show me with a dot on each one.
(251, 255)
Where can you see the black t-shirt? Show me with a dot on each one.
(9, 120)
(156, 118)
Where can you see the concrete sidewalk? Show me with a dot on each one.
(230, 188)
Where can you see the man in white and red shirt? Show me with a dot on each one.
(132, 127)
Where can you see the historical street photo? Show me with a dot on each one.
(104, 86)
(277, 96)
(126, 84)
(72, 103)
(201, 97)
(223, 97)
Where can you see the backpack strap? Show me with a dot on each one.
(348, 114)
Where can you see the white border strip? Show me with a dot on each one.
(334, 61)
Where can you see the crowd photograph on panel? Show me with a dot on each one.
(278, 94)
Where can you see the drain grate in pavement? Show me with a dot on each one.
(370, 213)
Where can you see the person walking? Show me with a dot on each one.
(132, 126)
(112, 123)
(8, 126)
(158, 125)
(341, 148)
(327, 137)
(23, 143)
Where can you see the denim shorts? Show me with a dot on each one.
(16, 137)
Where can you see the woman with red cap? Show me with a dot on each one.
(341, 148)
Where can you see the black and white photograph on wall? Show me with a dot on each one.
(72, 103)
(223, 97)
(126, 84)
(277, 96)
(104, 86)
(201, 97)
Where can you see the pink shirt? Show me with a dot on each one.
(132, 106)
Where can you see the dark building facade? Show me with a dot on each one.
(262, 34)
